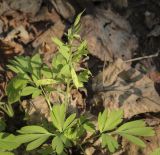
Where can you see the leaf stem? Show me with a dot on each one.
(46, 98)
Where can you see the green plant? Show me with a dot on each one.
(156, 152)
(34, 78)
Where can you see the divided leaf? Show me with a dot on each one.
(8, 142)
(58, 116)
(110, 142)
(75, 79)
(135, 140)
(109, 120)
(136, 128)
(57, 145)
(70, 121)
(33, 129)
(36, 143)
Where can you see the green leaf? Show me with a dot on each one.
(2, 125)
(20, 64)
(114, 118)
(43, 82)
(71, 133)
(14, 69)
(6, 153)
(14, 88)
(110, 142)
(66, 141)
(133, 139)
(23, 62)
(58, 62)
(70, 121)
(28, 90)
(57, 145)
(65, 71)
(144, 131)
(36, 143)
(64, 50)
(77, 20)
(76, 82)
(32, 129)
(102, 117)
(84, 75)
(36, 93)
(46, 72)
(36, 61)
(132, 124)
(57, 41)
(156, 152)
(58, 116)
(28, 137)
(137, 128)
(8, 142)
(89, 127)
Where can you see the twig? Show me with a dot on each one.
(144, 57)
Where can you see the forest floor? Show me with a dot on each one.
(124, 54)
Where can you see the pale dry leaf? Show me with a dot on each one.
(26, 6)
(131, 91)
(108, 35)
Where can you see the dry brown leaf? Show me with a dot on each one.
(131, 90)
(26, 6)
(109, 35)
(56, 30)
(64, 8)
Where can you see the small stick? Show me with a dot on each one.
(144, 57)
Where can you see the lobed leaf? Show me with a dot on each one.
(8, 142)
(132, 124)
(75, 79)
(70, 121)
(32, 129)
(110, 142)
(28, 137)
(114, 118)
(6, 153)
(57, 145)
(36, 143)
(135, 140)
(102, 117)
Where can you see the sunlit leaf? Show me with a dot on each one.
(156, 152)
(134, 140)
(57, 41)
(36, 61)
(45, 82)
(114, 118)
(70, 121)
(32, 129)
(36, 143)
(8, 142)
(6, 153)
(57, 145)
(110, 142)
(75, 79)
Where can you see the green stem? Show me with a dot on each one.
(67, 98)
(81, 149)
(46, 98)
(8, 110)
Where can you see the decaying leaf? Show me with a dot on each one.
(26, 6)
(109, 35)
(126, 88)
